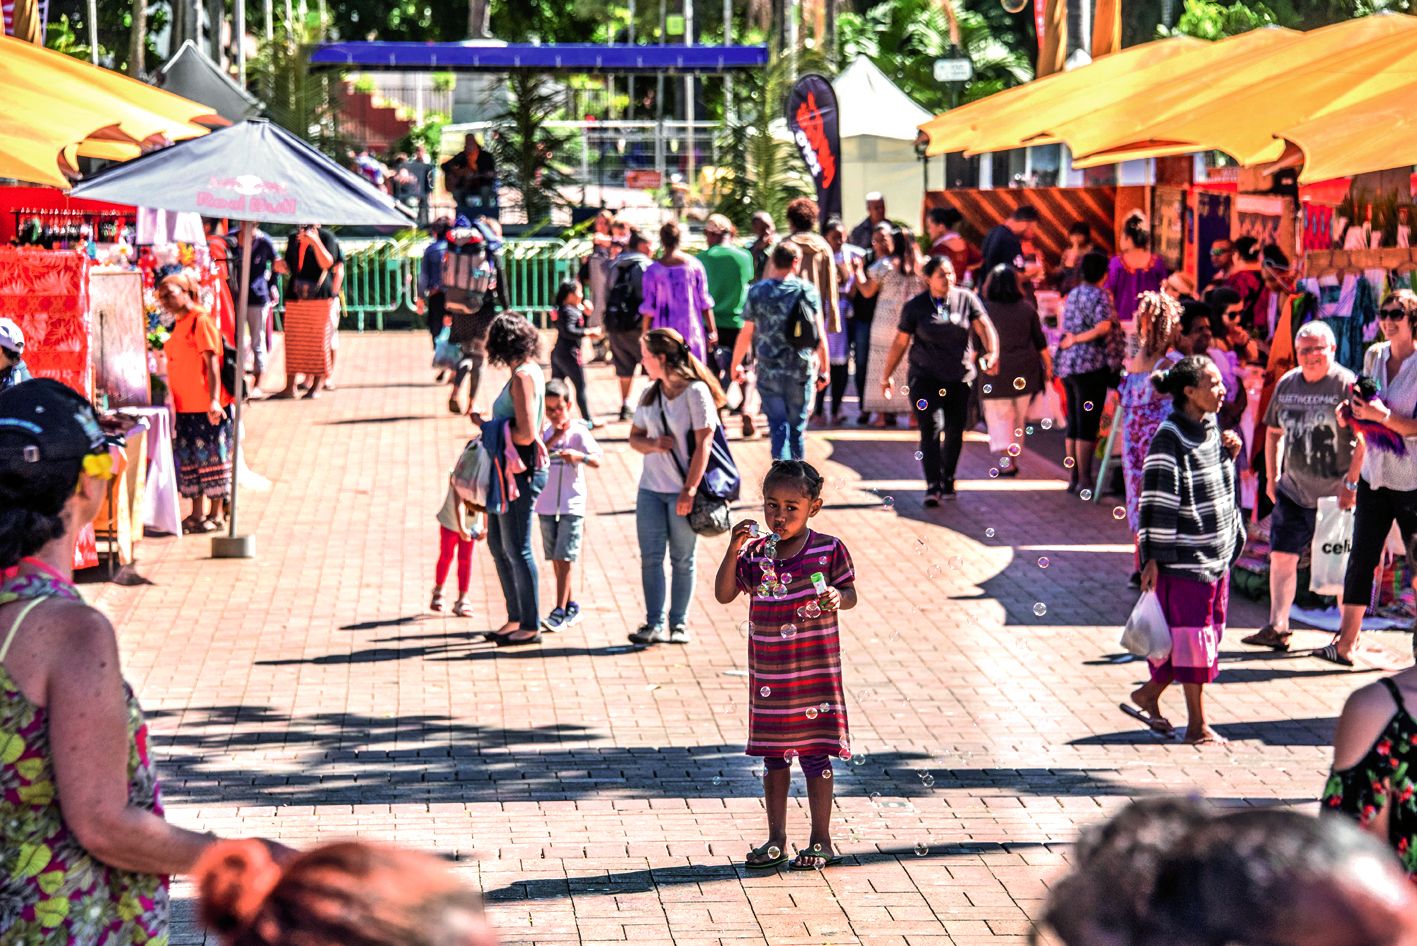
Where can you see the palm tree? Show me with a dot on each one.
(905, 37)
(764, 171)
(531, 158)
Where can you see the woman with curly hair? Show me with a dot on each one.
(513, 343)
(1143, 408)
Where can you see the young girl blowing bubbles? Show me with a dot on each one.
(798, 580)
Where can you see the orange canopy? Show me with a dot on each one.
(1243, 104)
(960, 128)
(55, 105)
(1335, 94)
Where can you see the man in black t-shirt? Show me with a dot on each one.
(471, 177)
(1004, 244)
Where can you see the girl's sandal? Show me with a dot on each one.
(813, 858)
(437, 603)
(462, 609)
(769, 862)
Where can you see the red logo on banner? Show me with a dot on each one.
(812, 139)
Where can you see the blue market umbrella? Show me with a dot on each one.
(252, 172)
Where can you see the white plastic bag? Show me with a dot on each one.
(1333, 540)
(1146, 634)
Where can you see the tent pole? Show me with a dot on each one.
(232, 545)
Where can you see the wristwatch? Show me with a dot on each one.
(1351, 486)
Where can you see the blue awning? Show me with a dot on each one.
(557, 57)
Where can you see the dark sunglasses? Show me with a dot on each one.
(1391, 314)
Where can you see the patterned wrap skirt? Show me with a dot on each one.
(309, 330)
(1195, 612)
(202, 451)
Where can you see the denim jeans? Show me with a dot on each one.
(787, 418)
(509, 541)
(660, 528)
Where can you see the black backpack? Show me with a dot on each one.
(622, 302)
(802, 324)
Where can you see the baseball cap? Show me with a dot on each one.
(46, 429)
(11, 338)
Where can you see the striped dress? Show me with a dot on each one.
(796, 698)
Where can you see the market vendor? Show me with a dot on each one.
(202, 443)
(13, 369)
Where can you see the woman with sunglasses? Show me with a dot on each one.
(1387, 487)
(94, 868)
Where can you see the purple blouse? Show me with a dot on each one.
(676, 297)
(1126, 284)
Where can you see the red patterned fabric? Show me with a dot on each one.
(45, 292)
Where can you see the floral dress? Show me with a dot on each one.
(896, 290)
(1143, 410)
(1383, 779)
(52, 891)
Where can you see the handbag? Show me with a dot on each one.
(719, 486)
(446, 353)
(1147, 634)
(802, 324)
(1333, 540)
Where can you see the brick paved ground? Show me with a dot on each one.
(598, 793)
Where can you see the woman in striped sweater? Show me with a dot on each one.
(1190, 532)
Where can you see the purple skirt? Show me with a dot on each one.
(1195, 612)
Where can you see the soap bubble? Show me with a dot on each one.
(1040, 609)
(922, 404)
(988, 389)
(765, 691)
(1046, 423)
(789, 755)
(811, 609)
(1005, 463)
(919, 455)
(747, 627)
(1084, 494)
(786, 578)
(993, 472)
(844, 754)
(922, 848)
(1087, 406)
(989, 532)
(1018, 432)
(875, 798)
(905, 389)
(788, 630)
(1029, 430)
(864, 694)
(942, 392)
(718, 780)
(1020, 384)
(826, 773)
(825, 707)
(888, 502)
(1069, 462)
(934, 571)
(774, 852)
(811, 712)
(1119, 512)
(858, 759)
(1043, 562)
(1014, 450)
(927, 780)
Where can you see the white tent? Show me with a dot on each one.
(879, 123)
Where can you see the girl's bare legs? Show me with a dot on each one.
(819, 803)
(775, 785)
(1197, 730)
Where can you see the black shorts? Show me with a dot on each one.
(1291, 526)
(624, 352)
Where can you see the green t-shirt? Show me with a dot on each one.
(730, 271)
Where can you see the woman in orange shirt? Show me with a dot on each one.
(202, 443)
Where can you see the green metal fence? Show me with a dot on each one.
(381, 279)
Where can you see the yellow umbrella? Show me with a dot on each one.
(1240, 110)
(957, 129)
(1354, 140)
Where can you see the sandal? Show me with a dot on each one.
(462, 609)
(1331, 654)
(437, 603)
(1267, 636)
(815, 853)
(765, 851)
(1155, 723)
